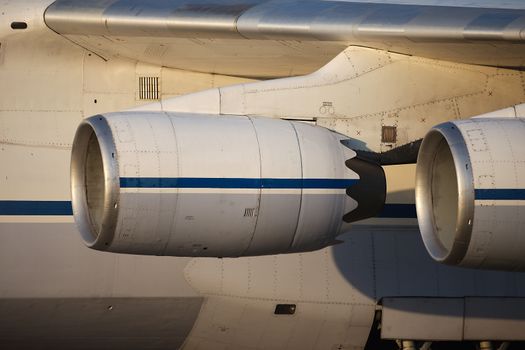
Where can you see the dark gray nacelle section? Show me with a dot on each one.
(203, 185)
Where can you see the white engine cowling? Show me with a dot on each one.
(470, 193)
(199, 185)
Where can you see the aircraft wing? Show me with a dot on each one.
(260, 38)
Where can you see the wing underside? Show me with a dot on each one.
(280, 38)
(285, 20)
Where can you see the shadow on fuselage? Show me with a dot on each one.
(388, 261)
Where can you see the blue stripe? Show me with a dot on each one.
(64, 208)
(236, 183)
(500, 194)
(398, 211)
(35, 208)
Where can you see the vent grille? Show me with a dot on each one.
(389, 134)
(148, 88)
(250, 212)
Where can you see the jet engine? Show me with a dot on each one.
(470, 193)
(203, 185)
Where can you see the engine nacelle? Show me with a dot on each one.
(470, 192)
(199, 185)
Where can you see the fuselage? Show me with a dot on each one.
(53, 290)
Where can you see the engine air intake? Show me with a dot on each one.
(469, 197)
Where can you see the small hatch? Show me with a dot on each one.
(18, 25)
(285, 309)
(149, 88)
(389, 134)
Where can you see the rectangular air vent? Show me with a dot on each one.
(250, 212)
(285, 309)
(389, 134)
(149, 88)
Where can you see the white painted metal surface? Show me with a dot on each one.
(245, 37)
(339, 283)
(422, 318)
(459, 319)
(469, 191)
(50, 84)
(361, 90)
(200, 185)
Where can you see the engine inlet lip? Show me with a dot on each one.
(465, 183)
(97, 239)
